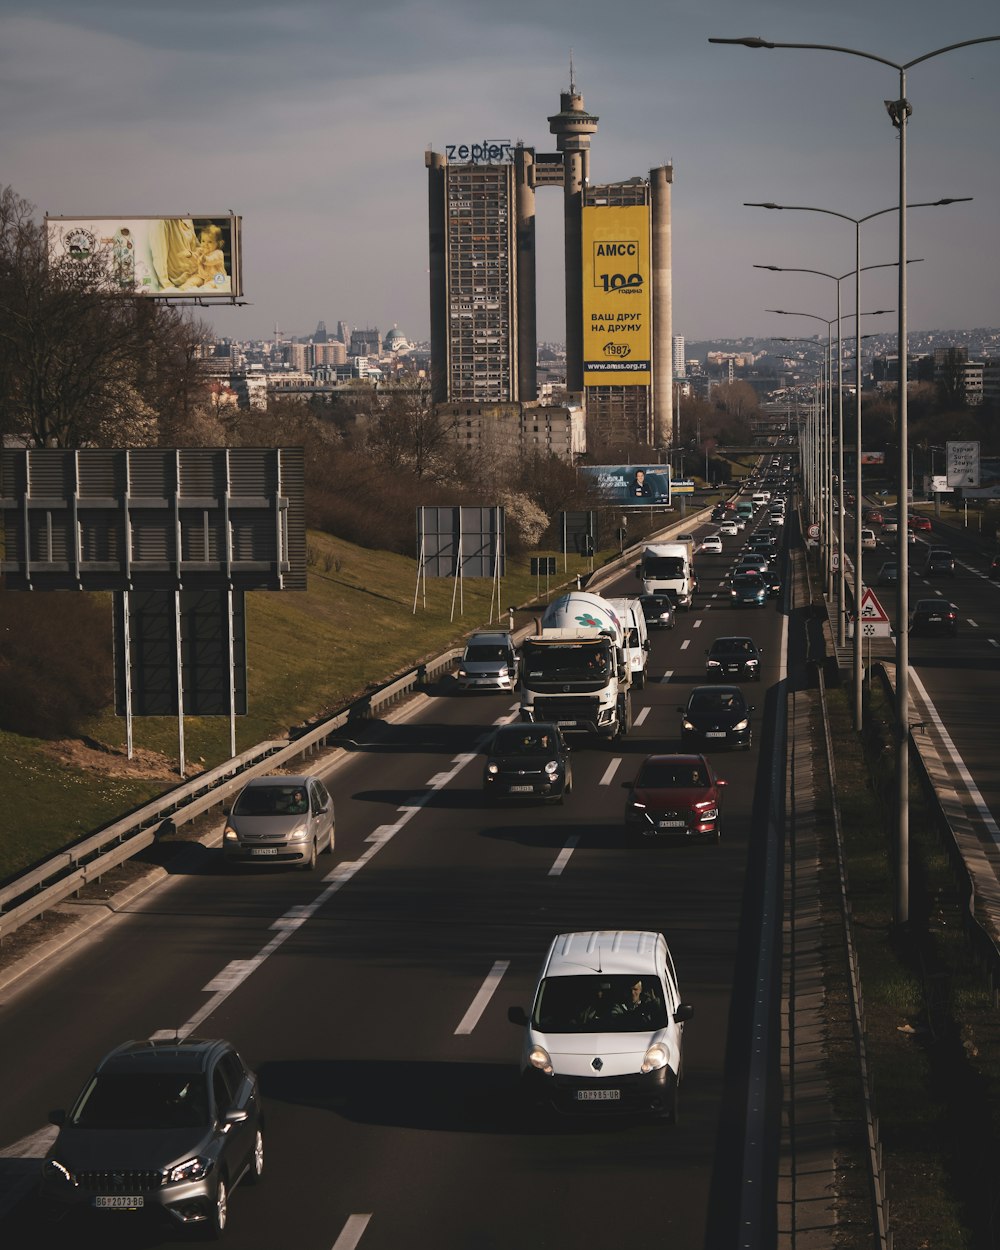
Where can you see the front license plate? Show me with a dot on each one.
(521, 789)
(673, 824)
(598, 1095)
(715, 733)
(264, 850)
(120, 1202)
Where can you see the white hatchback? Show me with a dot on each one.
(606, 1027)
(712, 543)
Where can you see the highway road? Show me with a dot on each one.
(371, 995)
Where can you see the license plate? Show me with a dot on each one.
(521, 789)
(120, 1202)
(715, 733)
(673, 824)
(934, 620)
(264, 850)
(598, 1095)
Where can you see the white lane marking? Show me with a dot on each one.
(685, 644)
(978, 802)
(642, 716)
(562, 859)
(486, 992)
(352, 1232)
(609, 772)
(971, 622)
(993, 642)
(232, 975)
(697, 624)
(667, 675)
(34, 1146)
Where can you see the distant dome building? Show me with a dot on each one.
(396, 341)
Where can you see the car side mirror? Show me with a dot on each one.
(58, 1118)
(517, 1015)
(685, 1011)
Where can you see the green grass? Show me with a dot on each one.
(307, 654)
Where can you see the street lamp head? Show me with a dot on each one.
(748, 41)
(773, 268)
(757, 204)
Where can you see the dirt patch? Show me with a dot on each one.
(91, 755)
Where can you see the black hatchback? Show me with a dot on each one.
(529, 759)
(735, 658)
(658, 611)
(716, 716)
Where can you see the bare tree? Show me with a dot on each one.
(81, 363)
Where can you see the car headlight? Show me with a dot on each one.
(741, 725)
(461, 673)
(230, 834)
(751, 663)
(539, 1058)
(654, 1058)
(301, 831)
(552, 767)
(710, 813)
(714, 664)
(686, 724)
(53, 1170)
(492, 768)
(734, 593)
(190, 1170)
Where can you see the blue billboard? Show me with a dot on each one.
(631, 485)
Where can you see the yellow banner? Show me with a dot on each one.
(616, 296)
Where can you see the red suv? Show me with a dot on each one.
(873, 516)
(922, 523)
(674, 795)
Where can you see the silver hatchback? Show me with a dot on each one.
(280, 820)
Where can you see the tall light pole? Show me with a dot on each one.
(899, 111)
(841, 571)
(858, 222)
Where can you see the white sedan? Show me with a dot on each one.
(712, 543)
(729, 527)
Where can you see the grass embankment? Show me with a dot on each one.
(933, 1034)
(307, 653)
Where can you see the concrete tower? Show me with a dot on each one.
(660, 181)
(573, 126)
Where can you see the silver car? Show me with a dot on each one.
(280, 820)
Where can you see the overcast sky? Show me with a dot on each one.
(310, 119)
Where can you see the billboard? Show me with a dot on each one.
(631, 485)
(873, 457)
(616, 296)
(167, 257)
(963, 463)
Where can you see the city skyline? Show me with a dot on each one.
(313, 125)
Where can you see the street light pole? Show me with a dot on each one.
(899, 112)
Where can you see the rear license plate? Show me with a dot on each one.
(264, 850)
(521, 789)
(598, 1095)
(715, 733)
(120, 1202)
(673, 824)
(934, 620)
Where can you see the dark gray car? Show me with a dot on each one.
(163, 1130)
(280, 820)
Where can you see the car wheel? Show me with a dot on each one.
(672, 1111)
(328, 849)
(218, 1217)
(256, 1168)
(310, 863)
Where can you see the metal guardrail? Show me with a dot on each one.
(32, 893)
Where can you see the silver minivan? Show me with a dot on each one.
(490, 662)
(280, 820)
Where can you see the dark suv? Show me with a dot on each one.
(939, 560)
(166, 1129)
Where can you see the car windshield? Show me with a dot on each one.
(524, 740)
(716, 701)
(670, 775)
(732, 646)
(143, 1100)
(272, 801)
(600, 1004)
(742, 578)
(481, 651)
(567, 662)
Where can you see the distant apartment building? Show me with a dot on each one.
(678, 355)
(520, 430)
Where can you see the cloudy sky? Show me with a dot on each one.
(311, 120)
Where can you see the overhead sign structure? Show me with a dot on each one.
(616, 296)
(680, 487)
(963, 463)
(164, 257)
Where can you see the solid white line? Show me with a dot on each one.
(562, 859)
(993, 641)
(978, 802)
(685, 644)
(642, 716)
(352, 1232)
(480, 1002)
(609, 772)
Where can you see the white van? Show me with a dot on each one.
(761, 497)
(633, 620)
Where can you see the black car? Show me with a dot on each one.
(658, 611)
(162, 1129)
(530, 759)
(735, 658)
(933, 616)
(716, 716)
(995, 568)
(939, 561)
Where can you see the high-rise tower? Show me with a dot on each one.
(573, 126)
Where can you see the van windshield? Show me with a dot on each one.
(600, 1004)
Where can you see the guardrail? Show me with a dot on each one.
(32, 893)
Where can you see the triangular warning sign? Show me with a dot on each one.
(871, 609)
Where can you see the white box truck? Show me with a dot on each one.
(669, 566)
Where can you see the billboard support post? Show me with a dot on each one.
(129, 743)
(180, 683)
